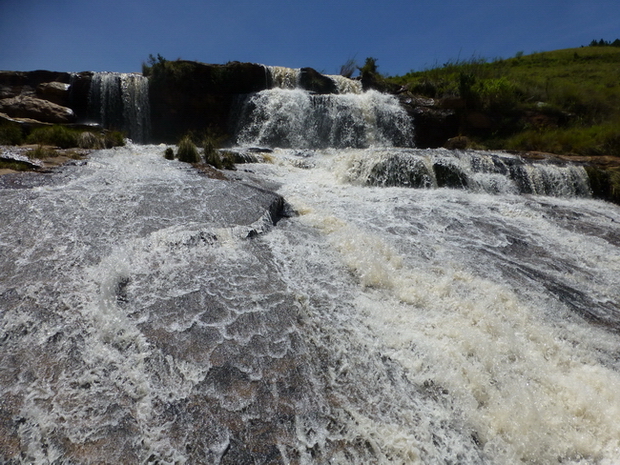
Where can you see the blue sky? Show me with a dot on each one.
(118, 35)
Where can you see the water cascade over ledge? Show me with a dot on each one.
(294, 118)
(120, 101)
(344, 298)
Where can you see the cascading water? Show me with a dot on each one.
(294, 118)
(151, 314)
(282, 77)
(345, 85)
(473, 170)
(120, 101)
(289, 78)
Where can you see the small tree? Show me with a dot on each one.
(370, 67)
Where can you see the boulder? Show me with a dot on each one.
(457, 143)
(25, 106)
(55, 92)
(313, 81)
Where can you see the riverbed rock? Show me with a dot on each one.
(25, 106)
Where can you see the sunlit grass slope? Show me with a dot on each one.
(563, 101)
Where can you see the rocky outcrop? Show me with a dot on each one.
(25, 106)
(14, 83)
(433, 123)
(45, 96)
(191, 96)
(313, 81)
(55, 92)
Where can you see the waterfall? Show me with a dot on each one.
(288, 78)
(345, 298)
(120, 101)
(152, 314)
(294, 118)
(490, 172)
(291, 118)
(346, 85)
(282, 77)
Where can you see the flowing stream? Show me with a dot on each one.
(350, 302)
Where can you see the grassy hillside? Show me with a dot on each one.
(564, 101)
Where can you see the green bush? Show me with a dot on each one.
(498, 94)
(14, 165)
(188, 152)
(212, 156)
(587, 140)
(169, 154)
(113, 139)
(59, 136)
(10, 134)
(64, 137)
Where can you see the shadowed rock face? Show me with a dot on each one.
(314, 81)
(191, 96)
(55, 92)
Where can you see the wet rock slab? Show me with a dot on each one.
(143, 319)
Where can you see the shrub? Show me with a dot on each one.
(59, 136)
(42, 152)
(348, 68)
(14, 165)
(89, 140)
(188, 152)
(588, 140)
(113, 139)
(212, 156)
(64, 137)
(10, 134)
(498, 94)
(228, 160)
(169, 154)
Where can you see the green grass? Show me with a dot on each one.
(14, 165)
(66, 137)
(10, 134)
(575, 92)
(42, 152)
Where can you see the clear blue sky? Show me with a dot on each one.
(403, 35)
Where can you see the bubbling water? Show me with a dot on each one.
(501, 310)
(296, 119)
(359, 303)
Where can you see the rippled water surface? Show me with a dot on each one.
(151, 314)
